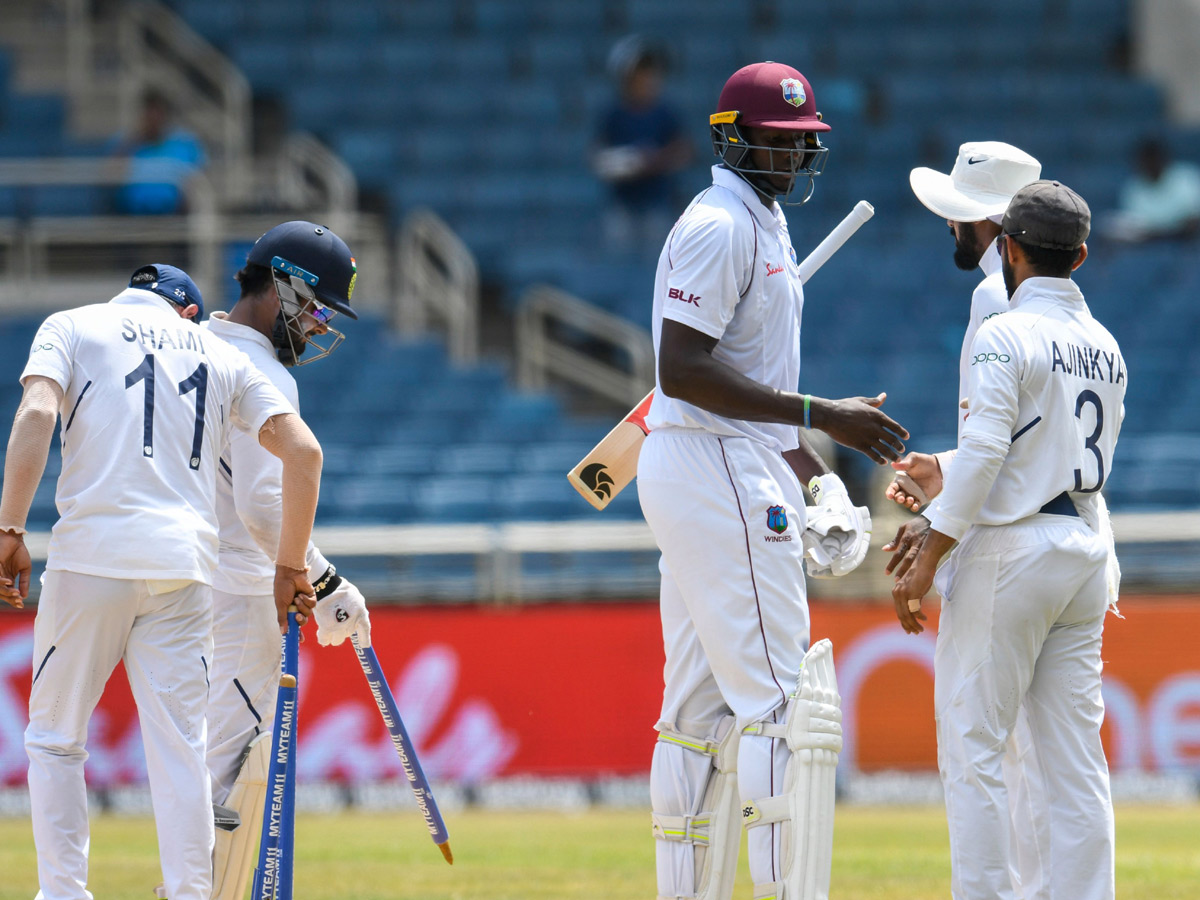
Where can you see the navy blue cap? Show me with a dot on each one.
(169, 282)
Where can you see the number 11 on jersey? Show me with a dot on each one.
(197, 381)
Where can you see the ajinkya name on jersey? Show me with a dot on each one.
(1087, 362)
(182, 339)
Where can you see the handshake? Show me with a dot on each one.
(838, 532)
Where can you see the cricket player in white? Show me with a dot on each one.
(972, 199)
(146, 401)
(298, 276)
(1026, 590)
(720, 481)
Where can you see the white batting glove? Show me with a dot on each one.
(838, 533)
(342, 613)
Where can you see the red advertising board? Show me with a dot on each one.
(574, 689)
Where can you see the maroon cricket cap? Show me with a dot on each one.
(771, 95)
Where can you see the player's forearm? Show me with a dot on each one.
(28, 447)
(713, 386)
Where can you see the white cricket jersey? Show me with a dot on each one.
(1046, 400)
(250, 481)
(148, 399)
(728, 270)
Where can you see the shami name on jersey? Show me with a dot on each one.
(1087, 362)
(181, 339)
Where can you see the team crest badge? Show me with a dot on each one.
(793, 91)
(353, 278)
(777, 519)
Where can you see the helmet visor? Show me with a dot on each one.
(786, 169)
(306, 318)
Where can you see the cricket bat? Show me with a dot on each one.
(612, 463)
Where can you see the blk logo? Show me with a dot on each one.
(597, 479)
(341, 615)
(777, 519)
(677, 294)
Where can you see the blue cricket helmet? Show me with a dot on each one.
(314, 254)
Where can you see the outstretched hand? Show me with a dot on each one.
(918, 480)
(857, 423)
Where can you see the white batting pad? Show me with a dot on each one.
(233, 857)
(813, 730)
(712, 830)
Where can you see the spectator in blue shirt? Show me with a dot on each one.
(162, 157)
(640, 147)
(1161, 199)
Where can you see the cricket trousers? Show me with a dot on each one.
(245, 682)
(728, 515)
(1021, 626)
(85, 625)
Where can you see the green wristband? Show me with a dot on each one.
(807, 419)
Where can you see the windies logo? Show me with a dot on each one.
(793, 91)
(777, 519)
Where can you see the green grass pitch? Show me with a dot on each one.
(880, 853)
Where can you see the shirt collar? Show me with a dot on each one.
(220, 325)
(731, 180)
(143, 297)
(1059, 291)
(990, 262)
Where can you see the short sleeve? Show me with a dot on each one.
(255, 398)
(52, 351)
(996, 366)
(708, 266)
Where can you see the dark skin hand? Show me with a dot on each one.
(906, 545)
(917, 579)
(688, 372)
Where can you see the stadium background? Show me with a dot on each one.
(448, 142)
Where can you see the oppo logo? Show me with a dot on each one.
(991, 357)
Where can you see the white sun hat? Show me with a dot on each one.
(984, 178)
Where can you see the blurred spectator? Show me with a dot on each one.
(641, 145)
(1160, 200)
(162, 156)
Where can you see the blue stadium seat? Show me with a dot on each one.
(477, 459)
(461, 498)
(539, 496)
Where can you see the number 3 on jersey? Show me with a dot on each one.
(1090, 442)
(198, 382)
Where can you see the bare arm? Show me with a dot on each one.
(688, 371)
(28, 447)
